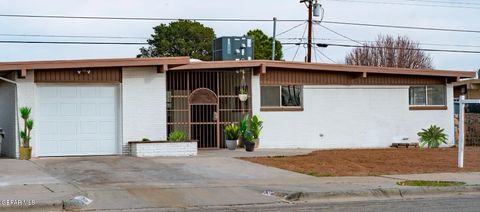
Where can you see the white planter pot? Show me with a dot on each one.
(231, 144)
(243, 97)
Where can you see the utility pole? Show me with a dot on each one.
(310, 25)
(313, 10)
(274, 37)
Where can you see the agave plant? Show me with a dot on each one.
(432, 137)
(25, 134)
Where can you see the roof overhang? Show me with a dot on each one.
(264, 65)
(261, 66)
(90, 63)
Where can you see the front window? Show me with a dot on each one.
(430, 95)
(281, 96)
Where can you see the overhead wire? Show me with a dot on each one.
(233, 20)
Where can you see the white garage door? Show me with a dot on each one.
(76, 120)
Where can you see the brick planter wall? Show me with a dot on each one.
(152, 149)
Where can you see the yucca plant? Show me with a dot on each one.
(177, 136)
(25, 134)
(432, 137)
(232, 132)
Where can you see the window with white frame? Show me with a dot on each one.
(430, 95)
(281, 96)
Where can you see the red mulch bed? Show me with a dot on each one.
(370, 162)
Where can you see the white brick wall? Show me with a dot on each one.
(164, 149)
(144, 104)
(349, 117)
(26, 98)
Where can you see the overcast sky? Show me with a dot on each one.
(350, 11)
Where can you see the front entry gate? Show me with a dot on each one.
(201, 103)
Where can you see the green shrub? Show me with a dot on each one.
(145, 139)
(432, 137)
(232, 132)
(177, 136)
(256, 125)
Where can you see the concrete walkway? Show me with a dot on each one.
(115, 182)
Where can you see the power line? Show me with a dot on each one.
(340, 34)
(445, 2)
(234, 20)
(303, 36)
(143, 18)
(145, 43)
(288, 30)
(401, 27)
(422, 49)
(406, 4)
(73, 42)
(369, 41)
(71, 36)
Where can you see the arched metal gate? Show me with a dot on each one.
(201, 103)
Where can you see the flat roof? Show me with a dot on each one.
(184, 63)
(323, 67)
(91, 63)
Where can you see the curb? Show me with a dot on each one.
(381, 192)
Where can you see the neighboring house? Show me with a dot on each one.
(95, 107)
(470, 88)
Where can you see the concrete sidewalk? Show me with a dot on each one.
(115, 182)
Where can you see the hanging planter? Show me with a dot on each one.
(243, 94)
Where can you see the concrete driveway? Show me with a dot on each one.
(116, 182)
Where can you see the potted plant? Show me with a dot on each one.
(177, 136)
(232, 132)
(25, 134)
(243, 127)
(248, 141)
(243, 95)
(256, 126)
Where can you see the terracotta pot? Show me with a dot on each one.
(25, 153)
(231, 144)
(257, 142)
(249, 146)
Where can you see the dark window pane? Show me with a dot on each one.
(291, 96)
(417, 96)
(270, 96)
(436, 95)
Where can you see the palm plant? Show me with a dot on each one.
(25, 134)
(432, 137)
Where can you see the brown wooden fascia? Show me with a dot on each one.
(162, 68)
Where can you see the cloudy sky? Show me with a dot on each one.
(464, 14)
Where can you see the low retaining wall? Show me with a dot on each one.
(163, 148)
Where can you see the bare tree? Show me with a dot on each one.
(387, 51)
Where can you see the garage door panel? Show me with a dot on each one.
(88, 109)
(68, 109)
(67, 146)
(77, 120)
(67, 92)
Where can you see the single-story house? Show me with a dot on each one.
(95, 107)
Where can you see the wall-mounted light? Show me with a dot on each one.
(80, 71)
